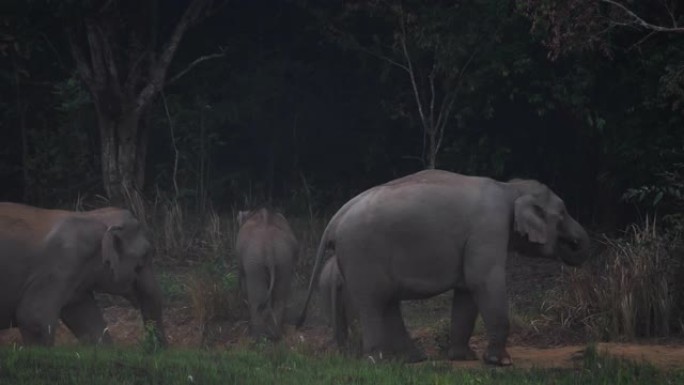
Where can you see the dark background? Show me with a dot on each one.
(296, 115)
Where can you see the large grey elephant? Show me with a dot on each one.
(335, 302)
(433, 231)
(266, 254)
(52, 261)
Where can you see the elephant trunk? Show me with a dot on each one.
(575, 245)
(149, 297)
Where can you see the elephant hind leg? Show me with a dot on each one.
(260, 306)
(463, 316)
(397, 339)
(385, 335)
(84, 318)
(492, 303)
(280, 296)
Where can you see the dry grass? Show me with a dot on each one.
(214, 297)
(632, 290)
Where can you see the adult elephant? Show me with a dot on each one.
(52, 261)
(433, 231)
(266, 251)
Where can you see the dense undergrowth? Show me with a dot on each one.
(632, 288)
(277, 364)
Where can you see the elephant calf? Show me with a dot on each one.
(51, 262)
(335, 302)
(266, 253)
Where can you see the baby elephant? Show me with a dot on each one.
(266, 254)
(335, 301)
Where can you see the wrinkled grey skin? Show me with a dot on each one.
(266, 254)
(52, 261)
(433, 231)
(335, 302)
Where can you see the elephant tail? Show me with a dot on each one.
(327, 242)
(271, 278)
(320, 253)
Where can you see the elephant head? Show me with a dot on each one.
(113, 255)
(112, 243)
(544, 227)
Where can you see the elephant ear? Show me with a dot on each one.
(529, 219)
(111, 249)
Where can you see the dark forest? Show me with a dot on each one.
(305, 103)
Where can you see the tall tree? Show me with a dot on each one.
(123, 50)
(436, 45)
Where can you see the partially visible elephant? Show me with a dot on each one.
(266, 254)
(433, 231)
(52, 261)
(335, 302)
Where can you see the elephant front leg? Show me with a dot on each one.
(37, 326)
(37, 315)
(148, 295)
(84, 318)
(463, 316)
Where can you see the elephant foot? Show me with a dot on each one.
(461, 353)
(501, 358)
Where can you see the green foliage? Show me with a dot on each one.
(172, 286)
(667, 197)
(277, 365)
(150, 344)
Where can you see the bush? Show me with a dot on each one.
(633, 289)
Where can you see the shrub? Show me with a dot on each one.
(214, 296)
(633, 289)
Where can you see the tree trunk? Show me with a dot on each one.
(431, 161)
(122, 158)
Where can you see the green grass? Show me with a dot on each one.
(279, 365)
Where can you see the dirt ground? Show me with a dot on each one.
(425, 319)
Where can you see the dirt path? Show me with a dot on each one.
(126, 329)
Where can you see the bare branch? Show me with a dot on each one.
(108, 58)
(431, 78)
(368, 51)
(94, 44)
(412, 76)
(643, 23)
(175, 147)
(158, 72)
(643, 39)
(193, 64)
(382, 57)
(81, 62)
(670, 13)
